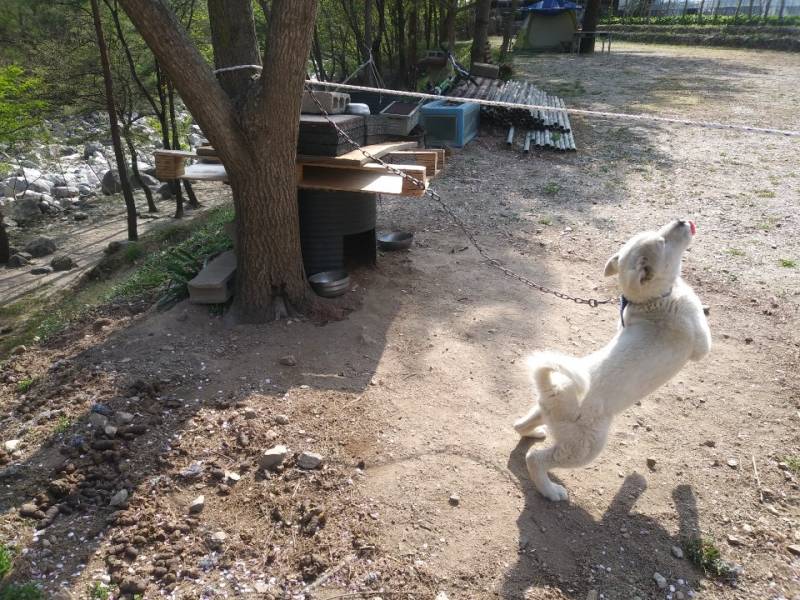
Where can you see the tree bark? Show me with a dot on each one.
(480, 36)
(5, 250)
(175, 145)
(449, 32)
(508, 27)
(119, 155)
(590, 20)
(233, 35)
(413, 43)
(148, 193)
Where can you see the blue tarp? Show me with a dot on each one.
(550, 7)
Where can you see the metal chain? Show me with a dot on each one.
(593, 302)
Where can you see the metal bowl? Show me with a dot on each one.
(395, 240)
(330, 284)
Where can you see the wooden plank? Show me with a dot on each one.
(355, 158)
(214, 283)
(183, 153)
(427, 158)
(205, 172)
(355, 180)
(440, 162)
(418, 172)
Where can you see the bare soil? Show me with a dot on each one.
(410, 399)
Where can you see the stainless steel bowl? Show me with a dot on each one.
(330, 284)
(395, 240)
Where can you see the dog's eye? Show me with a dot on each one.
(681, 222)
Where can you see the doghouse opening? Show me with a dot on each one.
(359, 249)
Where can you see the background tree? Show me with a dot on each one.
(253, 124)
(480, 37)
(590, 19)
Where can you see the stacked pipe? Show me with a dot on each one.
(541, 128)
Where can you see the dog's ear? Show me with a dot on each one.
(644, 271)
(612, 266)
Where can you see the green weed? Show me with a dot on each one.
(63, 424)
(735, 252)
(6, 559)
(551, 188)
(788, 263)
(99, 591)
(133, 252)
(27, 591)
(765, 193)
(794, 463)
(545, 221)
(704, 554)
(24, 385)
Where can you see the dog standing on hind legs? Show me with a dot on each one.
(662, 326)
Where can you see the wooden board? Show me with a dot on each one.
(355, 158)
(205, 172)
(418, 172)
(427, 158)
(366, 180)
(183, 153)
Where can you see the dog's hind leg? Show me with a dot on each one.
(532, 424)
(575, 448)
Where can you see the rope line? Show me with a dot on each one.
(238, 68)
(572, 111)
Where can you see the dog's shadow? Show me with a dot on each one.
(563, 546)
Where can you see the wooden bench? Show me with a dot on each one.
(214, 283)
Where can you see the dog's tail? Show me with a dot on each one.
(542, 364)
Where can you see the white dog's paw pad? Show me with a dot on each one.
(555, 492)
(539, 433)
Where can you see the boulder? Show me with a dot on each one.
(66, 192)
(92, 148)
(41, 246)
(56, 179)
(17, 185)
(41, 271)
(62, 263)
(165, 191)
(147, 180)
(110, 183)
(26, 208)
(68, 150)
(16, 261)
(85, 189)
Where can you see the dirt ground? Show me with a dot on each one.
(410, 399)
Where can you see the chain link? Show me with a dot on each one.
(593, 302)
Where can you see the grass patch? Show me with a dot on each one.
(545, 221)
(794, 464)
(170, 269)
(63, 424)
(735, 252)
(133, 252)
(24, 385)
(788, 263)
(551, 188)
(99, 591)
(765, 193)
(26, 591)
(705, 554)
(6, 559)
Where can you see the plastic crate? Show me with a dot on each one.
(449, 123)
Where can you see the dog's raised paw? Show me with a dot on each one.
(555, 493)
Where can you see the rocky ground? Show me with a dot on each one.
(169, 454)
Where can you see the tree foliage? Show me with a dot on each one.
(20, 108)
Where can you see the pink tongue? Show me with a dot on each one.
(693, 227)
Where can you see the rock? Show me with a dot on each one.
(454, 500)
(30, 511)
(41, 271)
(110, 183)
(12, 445)
(17, 350)
(110, 430)
(41, 246)
(165, 191)
(651, 464)
(591, 595)
(710, 443)
(442, 596)
(734, 541)
(273, 457)
(309, 460)
(732, 463)
(679, 596)
(197, 505)
(117, 245)
(62, 263)
(120, 498)
(26, 209)
(660, 580)
(66, 192)
(794, 549)
(281, 419)
(147, 180)
(16, 261)
(92, 148)
(123, 418)
(132, 586)
(217, 539)
(288, 361)
(232, 476)
(98, 421)
(250, 413)
(677, 552)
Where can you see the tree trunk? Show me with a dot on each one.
(508, 28)
(780, 12)
(193, 201)
(480, 35)
(750, 11)
(175, 145)
(400, 40)
(233, 35)
(700, 11)
(413, 43)
(317, 50)
(738, 8)
(590, 20)
(151, 205)
(448, 31)
(119, 155)
(5, 250)
(428, 23)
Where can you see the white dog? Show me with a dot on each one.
(662, 327)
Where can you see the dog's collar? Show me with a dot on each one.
(624, 302)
